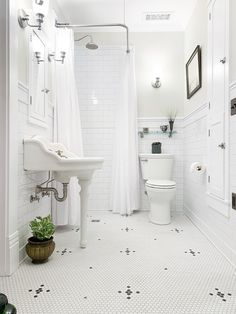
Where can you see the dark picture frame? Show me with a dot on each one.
(194, 72)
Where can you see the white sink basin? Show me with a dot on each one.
(41, 155)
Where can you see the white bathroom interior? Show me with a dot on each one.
(118, 119)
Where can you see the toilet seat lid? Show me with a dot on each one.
(161, 184)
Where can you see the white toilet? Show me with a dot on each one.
(157, 172)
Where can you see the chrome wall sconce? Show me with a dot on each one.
(38, 57)
(51, 57)
(157, 83)
(40, 9)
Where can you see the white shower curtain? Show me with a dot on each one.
(67, 124)
(125, 195)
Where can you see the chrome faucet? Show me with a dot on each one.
(60, 152)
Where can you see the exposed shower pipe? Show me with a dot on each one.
(91, 44)
(84, 37)
(63, 25)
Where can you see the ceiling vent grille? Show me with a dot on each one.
(157, 16)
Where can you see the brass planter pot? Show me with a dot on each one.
(40, 251)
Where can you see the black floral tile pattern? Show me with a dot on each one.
(127, 251)
(38, 291)
(76, 229)
(64, 251)
(129, 292)
(221, 295)
(177, 230)
(127, 229)
(193, 253)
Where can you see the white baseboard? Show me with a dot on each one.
(221, 246)
(12, 253)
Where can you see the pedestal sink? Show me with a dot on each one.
(41, 155)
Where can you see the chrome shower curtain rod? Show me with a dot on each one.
(63, 25)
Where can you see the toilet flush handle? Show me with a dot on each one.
(145, 160)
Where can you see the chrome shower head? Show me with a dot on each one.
(91, 45)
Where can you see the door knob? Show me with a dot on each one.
(222, 145)
(223, 61)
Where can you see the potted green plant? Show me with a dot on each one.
(41, 245)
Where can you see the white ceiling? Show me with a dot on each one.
(112, 11)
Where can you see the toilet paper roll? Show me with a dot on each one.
(197, 168)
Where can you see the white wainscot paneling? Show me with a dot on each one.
(195, 146)
(217, 227)
(28, 180)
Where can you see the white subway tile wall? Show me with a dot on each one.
(97, 76)
(28, 180)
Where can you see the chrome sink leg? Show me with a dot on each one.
(84, 184)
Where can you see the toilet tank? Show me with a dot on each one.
(156, 166)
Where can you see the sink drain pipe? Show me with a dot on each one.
(40, 189)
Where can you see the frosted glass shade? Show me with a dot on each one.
(40, 6)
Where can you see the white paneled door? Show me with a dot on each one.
(218, 103)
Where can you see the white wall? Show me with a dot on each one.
(196, 34)
(157, 54)
(28, 180)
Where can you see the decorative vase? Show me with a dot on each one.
(171, 123)
(40, 251)
(164, 128)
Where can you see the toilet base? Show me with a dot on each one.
(157, 221)
(160, 205)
